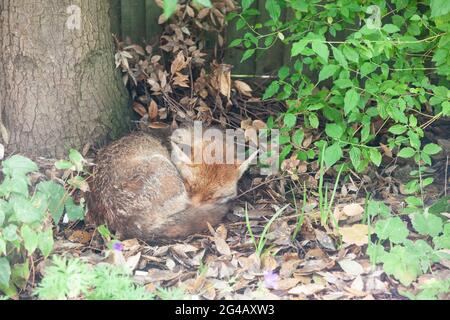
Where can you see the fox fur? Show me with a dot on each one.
(143, 187)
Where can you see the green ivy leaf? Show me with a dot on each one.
(56, 196)
(26, 211)
(351, 54)
(427, 224)
(368, 68)
(63, 165)
(393, 229)
(406, 153)
(332, 155)
(351, 100)
(321, 49)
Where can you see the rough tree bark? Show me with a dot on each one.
(58, 85)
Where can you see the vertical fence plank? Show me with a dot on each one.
(268, 61)
(152, 28)
(115, 16)
(133, 20)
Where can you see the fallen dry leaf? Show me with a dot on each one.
(352, 210)
(307, 289)
(243, 88)
(351, 267)
(356, 234)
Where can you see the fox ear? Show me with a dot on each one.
(182, 162)
(244, 165)
(178, 156)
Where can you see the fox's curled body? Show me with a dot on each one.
(139, 191)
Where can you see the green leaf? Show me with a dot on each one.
(313, 120)
(321, 49)
(247, 54)
(398, 129)
(391, 28)
(401, 264)
(351, 54)
(406, 153)
(298, 47)
(439, 7)
(327, 71)
(204, 3)
(332, 155)
(334, 131)
(427, 224)
(10, 233)
(74, 212)
(290, 120)
(343, 83)
(432, 149)
(297, 138)
(30, 238)
(26, 211)
(17, 166)
(355, 157)
(340, 58)
(274, 9)
(56, 196)
(63, 165)
(375, 156)
(283, 73)
(169, 7)
(351, 100)
(5, 272)
(271, 90)
(246, 4)
(393, 229)
(368, 68)
(443, 241)
(77, 159)
(45, 242)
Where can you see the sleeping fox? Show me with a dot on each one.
(146, 187)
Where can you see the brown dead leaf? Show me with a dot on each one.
(356, 234)
(153, 110)
(352, 210)
(243, 88)
(80, 236)
(307, 289)
(139, 108)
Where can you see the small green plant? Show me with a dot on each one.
(401, 257)
(74, 279)
(430, 290)
(171, 294)
(259, 245)
(24, 211)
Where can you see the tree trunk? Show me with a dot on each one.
(58, 84)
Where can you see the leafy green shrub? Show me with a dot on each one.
(406, 259)
(25, 227)
(75, 279)
(357, 70)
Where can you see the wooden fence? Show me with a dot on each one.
(138, 19)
